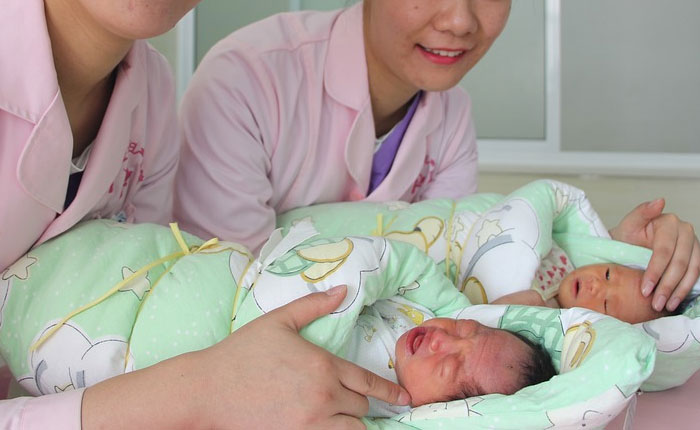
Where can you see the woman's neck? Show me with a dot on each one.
(389, 96)
(85, 55)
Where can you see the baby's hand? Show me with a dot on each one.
(527, 297)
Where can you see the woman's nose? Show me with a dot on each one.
(456, 17)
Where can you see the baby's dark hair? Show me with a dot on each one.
(539, 367)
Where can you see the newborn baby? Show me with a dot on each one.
(611, 289)
(118, 311)
(442, 359)
(507, 249)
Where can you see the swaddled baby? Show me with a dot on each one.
(608, 288)
(515, 249)
(132, 295)
(442, 359)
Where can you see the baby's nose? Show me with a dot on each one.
(441, 342)
(592, 284)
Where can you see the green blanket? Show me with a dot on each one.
(491, 245)
(134, 295)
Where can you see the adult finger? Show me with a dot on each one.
(364, 382)
(663, 248)
(676, 268)
(350, 402)
(688, 281)
(302, 311)
(638, 219)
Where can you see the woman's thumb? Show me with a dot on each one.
(652, 209)
(304, 310)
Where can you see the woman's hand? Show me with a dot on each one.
(267, 376)
(675, 262)
(262, 376)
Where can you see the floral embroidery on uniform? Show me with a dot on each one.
(426, 176)
(132, 160)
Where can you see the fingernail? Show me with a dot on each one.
(404, 398)
(335, 290)
(659, 302)
(655, 201)
(647, 288)
(673, 304)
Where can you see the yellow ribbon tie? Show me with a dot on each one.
(380, 230)
(185, 250)
(238, 291)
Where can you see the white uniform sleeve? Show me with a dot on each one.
(56, 411)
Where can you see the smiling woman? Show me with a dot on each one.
(301, 108)
(360, 103)
(417, 45)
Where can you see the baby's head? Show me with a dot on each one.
(611, 289)
(446, 359)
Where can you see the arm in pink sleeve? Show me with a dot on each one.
(222, 187)
(55, 411)
(456, 174)
(154, 199)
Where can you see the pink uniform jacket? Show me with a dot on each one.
(130, 169)
(128, 175)
(278, 116)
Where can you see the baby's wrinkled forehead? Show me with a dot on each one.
(503, 357)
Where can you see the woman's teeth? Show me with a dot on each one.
(442, 53)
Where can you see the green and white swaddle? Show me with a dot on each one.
(145, 294)
(491, 245)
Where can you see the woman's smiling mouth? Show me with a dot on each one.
(444, 52)
(442, 55)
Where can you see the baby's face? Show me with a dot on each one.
(445, 359)
(611, 289)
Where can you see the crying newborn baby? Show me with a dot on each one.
(442, 359)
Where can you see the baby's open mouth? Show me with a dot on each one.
(415, 339)
(577, 286)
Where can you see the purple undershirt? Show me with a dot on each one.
(384, 157)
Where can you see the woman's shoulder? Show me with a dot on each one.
(286, 31)
(153, 67)
(154, 62)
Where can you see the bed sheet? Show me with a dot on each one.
(675, 409)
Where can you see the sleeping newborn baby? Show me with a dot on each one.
(442, 359)
(611, 289)
(515, 249)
